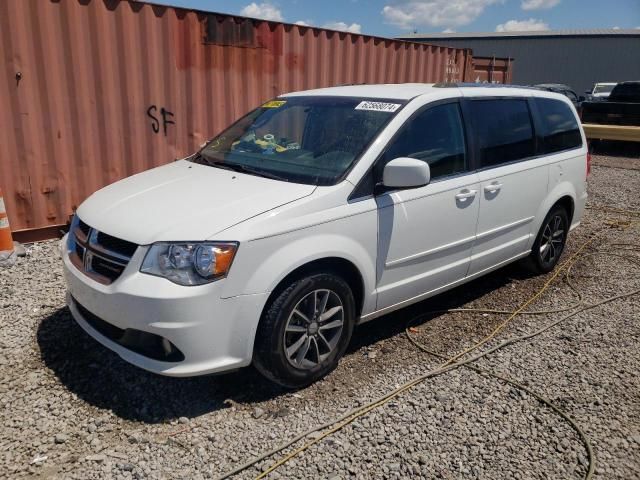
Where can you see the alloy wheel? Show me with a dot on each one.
(552, 241)
(313, 329)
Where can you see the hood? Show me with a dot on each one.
(184, 201)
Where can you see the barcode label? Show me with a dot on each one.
(378, 106)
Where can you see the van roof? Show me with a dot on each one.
(407, 91)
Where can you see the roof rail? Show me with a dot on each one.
(484, 85)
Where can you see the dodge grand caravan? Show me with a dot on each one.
(317, 211)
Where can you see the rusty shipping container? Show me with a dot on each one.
(492, 70)
(95, 90)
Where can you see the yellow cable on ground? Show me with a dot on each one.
(455, 362)
(441, 369)
(520, 309)
(356, 413)
(540, 398)
(633, 213)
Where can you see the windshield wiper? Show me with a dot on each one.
(236, 167)
(244, 169)
(198, 157)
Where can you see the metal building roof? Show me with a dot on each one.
(537, 33)
(578, 58)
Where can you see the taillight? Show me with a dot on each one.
(588, 163)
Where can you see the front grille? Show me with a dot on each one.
(83, 227)
(100, 256)
(144, 343)
(107, 268)
(117, 245)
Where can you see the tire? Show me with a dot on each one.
(545, 254)
(290, 320)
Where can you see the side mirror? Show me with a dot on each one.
(405, 172)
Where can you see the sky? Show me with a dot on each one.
(391, 18)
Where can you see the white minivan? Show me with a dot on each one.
(317, 211)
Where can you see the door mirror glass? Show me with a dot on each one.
(405, 172)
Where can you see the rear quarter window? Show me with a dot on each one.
(560, 130)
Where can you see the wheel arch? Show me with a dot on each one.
(568, 203)
(340, 266)
(563, 194)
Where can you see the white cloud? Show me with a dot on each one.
(531, 25)
(268, 11)
(264, 11)
(353, 28)
(616, 28)
(448, 30)
(538, 4)
(409, 14)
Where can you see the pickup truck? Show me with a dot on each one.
(600, 91)
(622, 107)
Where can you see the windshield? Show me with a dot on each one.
(306, 139)
(600, 88)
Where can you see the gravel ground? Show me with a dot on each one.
(616, 154)
(72, 409)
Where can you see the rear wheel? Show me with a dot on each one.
(305, 330)
(550, 241)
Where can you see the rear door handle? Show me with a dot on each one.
(464, 194)
(493, 187)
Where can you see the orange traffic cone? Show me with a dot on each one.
(8, 248)
(6, 241)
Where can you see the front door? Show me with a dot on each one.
(425, 234)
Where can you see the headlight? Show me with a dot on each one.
(190, 263)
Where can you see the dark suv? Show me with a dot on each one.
(564, 90)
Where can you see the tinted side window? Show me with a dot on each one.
(435, 136)
(560, 129)
(503, 130)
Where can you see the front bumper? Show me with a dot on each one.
(212, 333)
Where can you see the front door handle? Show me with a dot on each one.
(466, 193)
(493, 187)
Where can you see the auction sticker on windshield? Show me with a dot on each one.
(378, 106)
(274, 104)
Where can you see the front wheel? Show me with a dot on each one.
(550, 241)
(305, 330)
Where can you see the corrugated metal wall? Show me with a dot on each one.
(96, 90)
(578, 61)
